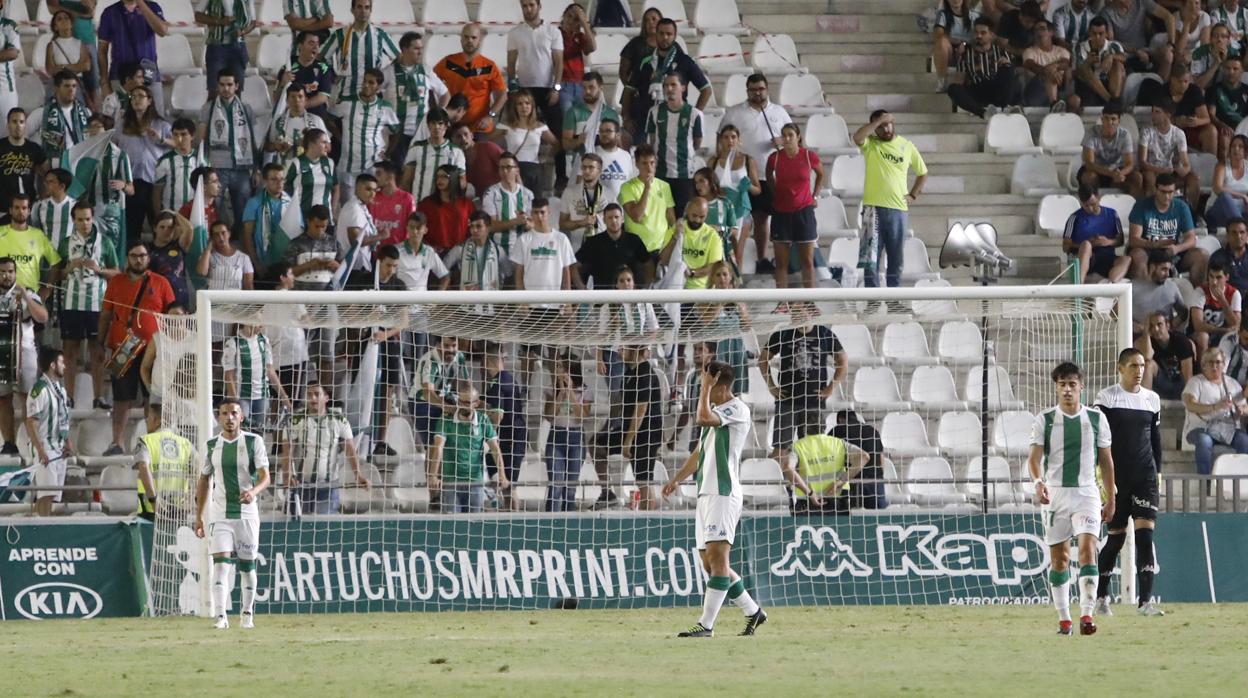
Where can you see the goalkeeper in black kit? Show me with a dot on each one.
(1134, 414)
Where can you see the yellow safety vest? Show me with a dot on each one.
(170, 465)
(820, 459)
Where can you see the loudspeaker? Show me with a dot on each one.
(973, 243)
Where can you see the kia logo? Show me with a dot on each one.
(58, 600)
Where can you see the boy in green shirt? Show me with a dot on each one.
(457, 459)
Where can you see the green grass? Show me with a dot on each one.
(1196, 650)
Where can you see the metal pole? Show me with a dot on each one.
(983, 397)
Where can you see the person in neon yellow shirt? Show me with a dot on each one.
(885, 196)
(26, 244)
(649, 210)
(700, 244)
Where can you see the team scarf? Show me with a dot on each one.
(269, 223)
(411, 90)
(229, 126)
(56, 126)
(592, 124)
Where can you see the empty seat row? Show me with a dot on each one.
(938, 485)
(959, 342)
(905, 434)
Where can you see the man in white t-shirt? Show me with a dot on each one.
(535, 60)
(543, 261)
(1049, 70)
(418, 260)
(1163, 148)
(356, 231)
(759, 121)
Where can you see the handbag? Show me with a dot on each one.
(1223, 427)
(132, 345)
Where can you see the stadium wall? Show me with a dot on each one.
(438, 564)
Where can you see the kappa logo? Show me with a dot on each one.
(819, 552)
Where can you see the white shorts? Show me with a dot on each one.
(27, 373)
(238, 536)
(716, 519)
(50, 476)
(1071, 511)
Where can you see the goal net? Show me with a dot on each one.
(387, 416)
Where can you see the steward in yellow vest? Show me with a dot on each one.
(164, 462)
(822, 475)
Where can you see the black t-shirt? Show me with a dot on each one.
(600, 257)
(1169, 357)
(641, 386)
(1011, 29)
(17, 170)
(803, 358)
(863, 436)
(634, 51)
(1152, 92)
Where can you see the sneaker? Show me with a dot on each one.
(222, 623)
(383, 449)
(697, 631)
(941, 85)
(1086, 626)
(248, 621)
(764, 266)
(605, 500)
(1059, 107)
(1064, 628)
(1014, 109)
(9, 449)
(101, 404)
(113, 450)
(990, 111)
(1150, 609)
(752, 622)
(1102, 608)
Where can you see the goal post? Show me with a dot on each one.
(957, 528)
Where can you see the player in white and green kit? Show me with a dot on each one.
(1067, 442)
(236, 467)
(725, 422)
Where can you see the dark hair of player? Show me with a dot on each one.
(1067, 369)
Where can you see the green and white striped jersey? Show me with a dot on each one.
(1070, 444)
(84, 288)
(173, 173)
(240, 11)
(673, 133)
(503, 205)
(48, 405)
(8, 69)
(719, 450)
(442, 375)
(308, 9)
(56, 220)
(412, 89)
(365, 126)
(315, 180)
(233, 465)
(114, 165)
(314, 442)
(291, 128)
(249, 358)
(350, 53)
(425, 158)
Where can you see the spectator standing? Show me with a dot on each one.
(23, 157)
(721, 215)
(440, 374)
(227, 269)
(285, 136)
(583, 117)
(356, 230)
(417, 261)
(481, 158)
(622, 323)
(1109, 154)
(1051, 70)
(212, 189)
(649, 210)
(565, 408)
(64, 117)
(82, 14)
(250, 374)
(310, 71)
(543, 257)
(1215, 406)
(367, 123)
(674, 128)
(424, 158)
(1228, 101)
(127, 34)
(1163, 223)
(10, 51)
(413, 90)
(314, 17)
(1092, 234)
(47, 419)
(535, 61)
(353, 49)
(824, 459)
(1071, 23)
(1129, 20)
(1100, 66)
(1156, 292)
(1163, 149)
(26, 245)
(523, 134)
(600, 256)
(143, 137)
(129, 312)
(25, 308)
(262, 220)
(172, 187)
(645, 89)
(226, 131)
(640, 46)
(171, 240)
(985, 79)
(477, 260)
(53, 214)
(791, 172)
(457, 459)
(226, 23)
(1216, 309)
(617, 163)
(889, 158)
(88, 261)
(509, 204)
(578, 42)
(581, 213)
(1016, 28)
(288, 341)
(867, 491)
(700, 244)
(1234, 254)
(477, 78)
(131, 76)
(316, 255)
(955, 28)
(505, 401)
(314, 174)
(391, 207)
(447, 209)
(112, 185)
(1230, 186)
(310, 447)
(1170, 357)
(634, 429)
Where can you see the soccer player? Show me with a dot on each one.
(1134, 415)
(725, 422)
(236, 464)
(1066, 443)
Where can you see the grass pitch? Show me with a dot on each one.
(1196, 650)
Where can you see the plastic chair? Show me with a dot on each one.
(917, 265)
(734, 90)
(1062, 134)
(875, 390)
(1035, 174)
(932, 387)
(802, 94)
(176, 57)
(1122, 205)
(119, 502)
(31, 93)
(961, 343)
(1208, 243)
(256, 95)
(827, 134)
(274, 53)
(831, 220)
(531, 496)
(905, 343)
(858, 345)
(1202, 165)
(905, 434)
(718, 16)
(359, 500)
(443, 17)
(847, 175)
(721, 54)
(499, 16)
(38, 56)
(17, 12)
(673, 10)
(1052, 213)
(959, 434)
(843, 253)
(895, 489)
(1009, 134)
(271, 14)
(408, 490)
(1232, 464)
(776, 54)
(770, 494)
(606, 57)
(189, 95)
(181, 18)
(933, 493)
(933, 310)
(999, 493)
(1000, 391)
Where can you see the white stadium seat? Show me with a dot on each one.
(1132, 85)
(858, 345)
(1122, 205)
(904, 434)
(769, 491)
(1035, 174)
(499, 16)
(357, 500)
(998, 492)
(1011, 432)
(1062, 134)
(673, 10)
(917, 264)
(905, 343)
(443, 17)
(718, 16)
(31, 93)
(119, 502)
(776, 54)
(895, 489)
(1202, 166)
(1232, 464)
(827, 134)
(721, 54)
(934, 310)
(1009, 134)
(256, 95)
(439, 46)
(408, 488)
(176, 57)
(734, 90)
(16, 11)
(606, 57)
(831, 220)
(959, 434)
(932, 387)
(960, 342)
(531, 495)
(1052, 213)
(875, 390)
(552, 13)
(801, 94)
(712, 117)
(843, 253)
(1208, 243)
(274, 54)
(189, 95)
(1000, 391)
(933, 493)
(38, 57)
(271, 14)
(847, 175)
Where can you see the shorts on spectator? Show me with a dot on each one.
(50, 477)
(129, 387)
(611, 440)
(1102, 181)
(760, 203)
(1168, 387)
(795, 227)
(1102, 263)
(1087, 95)
(79, 324)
